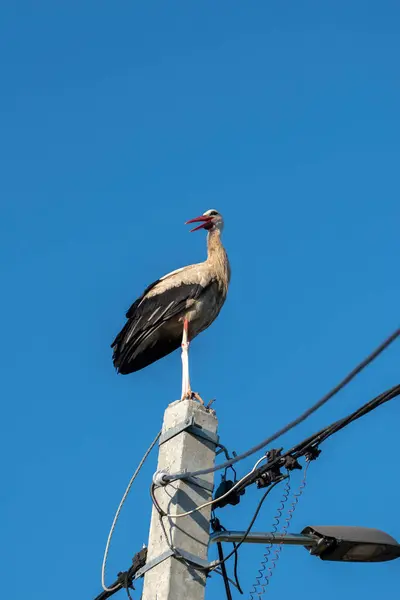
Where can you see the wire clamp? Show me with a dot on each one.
(312, 453)
(189, 426)
(291, 463)
(222, 490)
(270, 472)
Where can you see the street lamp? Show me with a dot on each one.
(337, 543)
(352, 544)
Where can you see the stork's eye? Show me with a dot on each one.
(213, 213)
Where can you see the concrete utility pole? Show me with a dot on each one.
(187, 443)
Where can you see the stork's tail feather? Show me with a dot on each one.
(118, 345)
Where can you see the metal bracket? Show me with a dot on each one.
(159, 481)
(154, 562)
(195, 560)
(190, 426)
(192, 558)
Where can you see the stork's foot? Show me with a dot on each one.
(189, 395)
(196, 396)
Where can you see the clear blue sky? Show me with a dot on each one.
(119, 121)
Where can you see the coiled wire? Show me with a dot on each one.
(263, 579)
(268, 548)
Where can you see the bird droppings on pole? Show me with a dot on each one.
(177, 547)
(173, 310)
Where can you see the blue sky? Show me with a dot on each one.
(119, 121)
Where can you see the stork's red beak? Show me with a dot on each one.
(204, 220)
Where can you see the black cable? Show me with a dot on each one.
(218, 572)
(295, 422)
(162, 514)
(125, 578)
(300, 449)
(246, 533)
(104, 595)
(326, 432)
(126, 586)
(223, 570)
(310, 444)
(216, 526)
(235, 568)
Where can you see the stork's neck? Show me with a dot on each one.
(216, 254)
(214, 244)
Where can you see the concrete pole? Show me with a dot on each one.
(172, 579)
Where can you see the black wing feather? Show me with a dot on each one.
(143, 340)
(131, 311)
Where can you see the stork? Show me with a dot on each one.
(175, 308)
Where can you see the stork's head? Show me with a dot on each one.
(209, 220)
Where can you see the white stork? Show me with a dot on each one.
(174, 309)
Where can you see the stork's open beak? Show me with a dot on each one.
(204, 220)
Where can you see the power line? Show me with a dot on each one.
(322, 435)
(309, 446)
(124, 497)
(303, 448)
(210, 502)
(370, 358)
